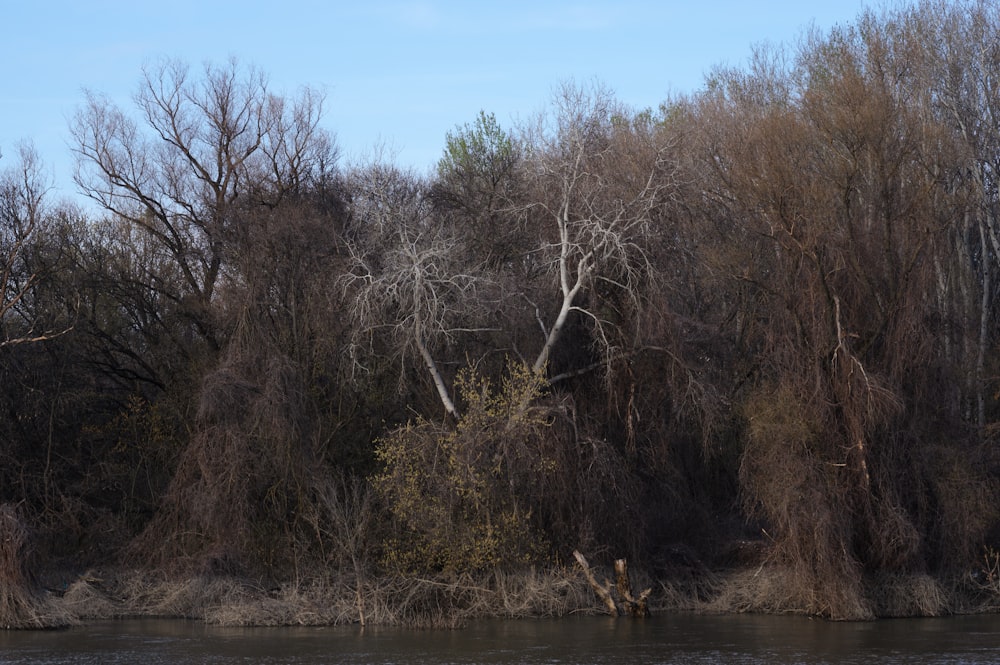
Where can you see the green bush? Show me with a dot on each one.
(461, 493)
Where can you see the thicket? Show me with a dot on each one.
(760, 318)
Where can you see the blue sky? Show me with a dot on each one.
(397, 73)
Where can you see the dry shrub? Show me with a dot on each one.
(85, 600)
(783, 589)
(428, 602)
(987, 577)
(142, 593)
(445, 600)
(768, 589)
(963, 503)
(75, 532)
(258, 612)
(893, 541)
(346, 521)
(450, 600)
(440, 600)
(496, 488)
(242, 497)
(432, 601)
(690, 594)
(800, 493)
(319, 602)
(22, 603)
(535, 593)
(116, 594)
(833, 519)
(909, 595)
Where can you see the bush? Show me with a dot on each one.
(247, 487)
(461, 494)
(22, 605)
(801, 495)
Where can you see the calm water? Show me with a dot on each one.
(678, 639)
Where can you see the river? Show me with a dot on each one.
(680, 638)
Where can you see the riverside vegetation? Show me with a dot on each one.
(746, 340)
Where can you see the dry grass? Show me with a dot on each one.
(315, 603)
(452, 600)
(774, 589)
(431, 601)
(762, 590)
(447, 601)
(22, 602)
(193, 597)
(911, 595)
(85, 600)
(537, 593)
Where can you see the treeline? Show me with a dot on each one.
(767, 310)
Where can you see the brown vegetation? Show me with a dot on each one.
(22, 601)
(746, 340)
(430, 601)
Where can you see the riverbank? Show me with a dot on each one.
(448, 601)
(430, 601)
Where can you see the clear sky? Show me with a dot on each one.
(397, 73)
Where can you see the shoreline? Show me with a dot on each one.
(450, 601)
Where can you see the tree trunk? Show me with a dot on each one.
(626, 604)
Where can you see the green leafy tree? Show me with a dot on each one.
(477, 183)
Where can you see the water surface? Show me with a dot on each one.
(680, 639)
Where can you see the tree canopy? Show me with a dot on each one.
(764, 312)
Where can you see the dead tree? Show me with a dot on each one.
(626, 603)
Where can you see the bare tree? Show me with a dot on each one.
(22, 220)
(958, 64)
(409, 277)
(830, 200)
(597, 207)
(203, 146)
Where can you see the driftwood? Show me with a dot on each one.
(626, 604)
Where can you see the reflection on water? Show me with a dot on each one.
(681, 639)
